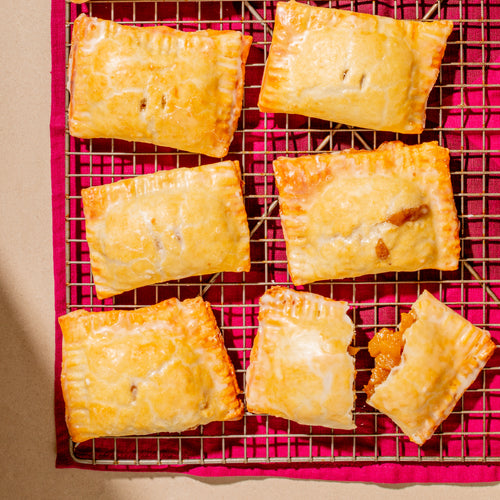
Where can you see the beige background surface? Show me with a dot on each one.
(27, 438)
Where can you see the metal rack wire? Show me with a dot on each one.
(463, 115)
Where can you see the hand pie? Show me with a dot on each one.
(364, 212)
(156, 84)
(352, 68)
(300, 368)
(167, 225)
(422, 371)
(162, 368)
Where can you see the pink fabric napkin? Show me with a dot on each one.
(57, 127)
(460, 110)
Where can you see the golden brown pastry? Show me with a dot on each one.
(300, 368)
(441, 355)
(352, 68)
(162, 368)
(364, 212)
(156, 84)
(167, 225)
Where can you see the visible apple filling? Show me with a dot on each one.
(381, 250)
(386, 347)
(409, 215)
(398, 219)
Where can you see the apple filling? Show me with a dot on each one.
(386, 347)
(409, 215)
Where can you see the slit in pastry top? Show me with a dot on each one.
(359, 69)
(159, 85)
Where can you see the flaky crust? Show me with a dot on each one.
(353, 68)
(443, 354)
(299, 365)
(336, 209)
(156, 84)
(167, 225)
(162, 368)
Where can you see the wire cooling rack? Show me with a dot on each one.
(463, 115)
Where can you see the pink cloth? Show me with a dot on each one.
(481, 133)
(57, 126)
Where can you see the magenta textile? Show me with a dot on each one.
(467, 121)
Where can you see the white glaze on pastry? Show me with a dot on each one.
(156, 84)
(300, 368)
(443, 354)
(167, 225)
(352, 68)
(364, 212)
(162, 368)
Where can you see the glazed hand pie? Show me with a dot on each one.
(167, 225)
(425, 367)
(162, 368)
(352, 68)
(156, 84)
(300, 368)
(364, 212)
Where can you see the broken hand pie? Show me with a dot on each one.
(422, 371)
(356, 212)
(162, 368)
(352, 68)
(300, 367)
(167, 225)
(156, 84)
